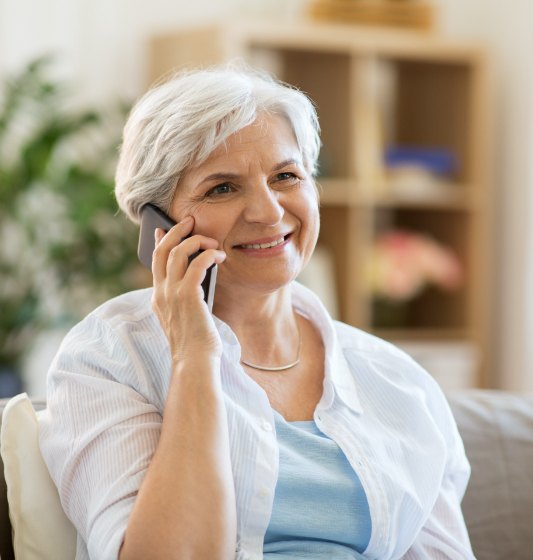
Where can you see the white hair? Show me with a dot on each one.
(181, 122)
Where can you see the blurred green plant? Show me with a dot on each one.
(63, 247)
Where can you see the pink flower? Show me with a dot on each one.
(403, 263)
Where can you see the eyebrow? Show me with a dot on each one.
(285, 162)
(227, 176)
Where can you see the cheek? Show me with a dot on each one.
(212, 222)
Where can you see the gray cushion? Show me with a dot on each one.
(497, 430)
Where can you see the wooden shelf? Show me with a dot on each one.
(426, 334)
(375, 88)
(347, 193)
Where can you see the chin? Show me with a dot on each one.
(261, 281)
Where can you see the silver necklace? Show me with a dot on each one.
(279, 368)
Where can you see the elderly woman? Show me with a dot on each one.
(263, 429)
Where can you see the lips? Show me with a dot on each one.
(264, 243)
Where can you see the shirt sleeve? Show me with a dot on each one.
(98, 434)
(444, 535)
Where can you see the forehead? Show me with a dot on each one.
(268, 134)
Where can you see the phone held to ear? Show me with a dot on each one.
(151, 219)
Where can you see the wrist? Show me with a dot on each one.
(201, 363)
(195, 381)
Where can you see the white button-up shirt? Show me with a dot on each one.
(106, 394)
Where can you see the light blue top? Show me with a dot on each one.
(320, 508)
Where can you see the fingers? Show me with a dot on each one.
(171, 262)
(177, 298)
(164, 243)
(196, 270)
(203, 252)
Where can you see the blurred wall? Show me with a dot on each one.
(100, 43)
(101, 47)
(505, 27)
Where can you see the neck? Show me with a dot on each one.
(244, 310)
(265, 325)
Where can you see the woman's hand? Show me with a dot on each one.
(178, 296)
(193, 515)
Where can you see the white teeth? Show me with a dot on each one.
(264, 245)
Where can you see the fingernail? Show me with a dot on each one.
(158, 234)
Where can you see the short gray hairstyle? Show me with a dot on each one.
(181, 122)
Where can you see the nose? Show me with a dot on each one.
(263, 205)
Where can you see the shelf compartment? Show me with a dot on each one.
(434, 308)
(432, 108)
(343, 234)
(325, 78)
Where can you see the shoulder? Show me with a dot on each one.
(361, 346)
(119, 315)
(379, 365)
(394, 385)
(130, 307)
(357, 339)
(113, 338)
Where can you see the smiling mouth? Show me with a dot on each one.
(274, 243)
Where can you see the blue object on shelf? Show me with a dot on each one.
(439, 161)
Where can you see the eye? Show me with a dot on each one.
(223, 188)
(286, 176)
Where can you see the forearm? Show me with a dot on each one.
(185, 507)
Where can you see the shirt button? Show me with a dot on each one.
(263, 493)
(267, 426)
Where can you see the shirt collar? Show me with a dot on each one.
(230, 342)
(337, 371)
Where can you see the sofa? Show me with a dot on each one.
(497, 430)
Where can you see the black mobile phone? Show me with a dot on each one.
(152, 218)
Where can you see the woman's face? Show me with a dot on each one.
(254, 196)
